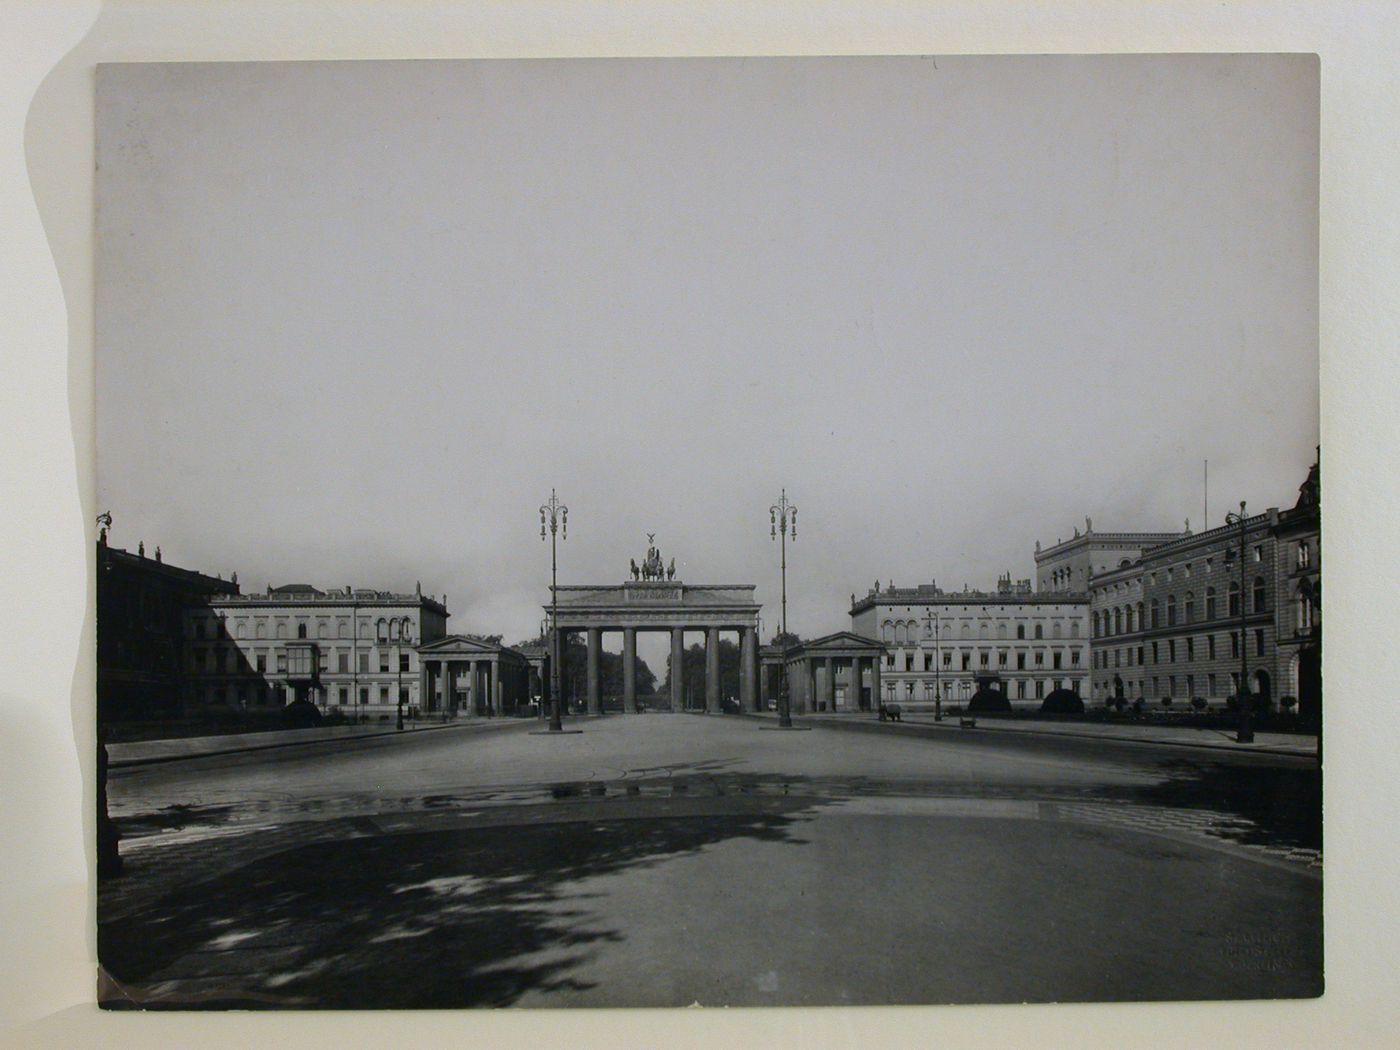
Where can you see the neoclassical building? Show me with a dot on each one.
(1175, 622)
(351, 649)
(1026, 643)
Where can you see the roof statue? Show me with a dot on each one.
(652, 567)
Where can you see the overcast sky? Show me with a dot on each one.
(356, 319)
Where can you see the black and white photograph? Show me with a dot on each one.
(722, 532)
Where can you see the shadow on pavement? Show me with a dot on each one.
(1283, 806)
(440, 919)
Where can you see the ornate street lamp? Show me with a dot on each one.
(782, 518)
(554, 516)
(937, 669)
(398, 658)
(1245, 734)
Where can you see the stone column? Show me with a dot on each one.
(496, 694)
(875, 700)
(748, 670)
(712, 671)
(677, 669)
(853, 696)
(473, 688)
(629, 670)
(595, 645)
(424, 681)
(830, 696)
(446, 667)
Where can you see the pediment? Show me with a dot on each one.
(462, 644)
(841, 641)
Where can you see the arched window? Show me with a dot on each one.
(381, 631)
(342, 629)
(887, 631)
(323, 629)
(983, 631)
(1233, 602)
(967, 630)
(1074, 629)
(242, 630)
(1171, 610)
(1210, 603)
(1095, 624)
(1128, 618)
(1001, 631)
(1258, 597)
(1155, 613)
(281, 628)
(1189, 607)
(1304, 554)
(1305, 611)
(1020, 630)
(1141, 623)
(262, 629)
(301, 630)
(1039, 631)
(1056, 631)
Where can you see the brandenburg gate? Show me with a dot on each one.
(653, 600)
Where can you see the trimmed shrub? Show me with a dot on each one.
(1199, 703)
(301, 714)
(1062, 702)
(985, 701)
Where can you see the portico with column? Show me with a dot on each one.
(464, 676)
(837, 673)
(664, 605)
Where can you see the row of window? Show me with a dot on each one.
(259, 694)
(899, 632)
(1021, 686)
(385, 630)
(1109, 622)
(231, 661)
(906, 661)
(1125, 619)
(1189, 683)
(1123, 656)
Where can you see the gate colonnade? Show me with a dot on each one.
(664, 606)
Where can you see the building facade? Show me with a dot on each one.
(1022, 642)
(1181, 621)
(142, 648)
(350, 650)
(1070, 564)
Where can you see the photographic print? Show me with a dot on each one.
(721, 532)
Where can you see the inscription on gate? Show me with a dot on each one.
(652, 594)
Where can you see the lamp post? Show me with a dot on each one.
(937, 668)
(782, 520)
(554, 516)
(1245, 734)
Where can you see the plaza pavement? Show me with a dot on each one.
(175, 749)
(666, 860)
